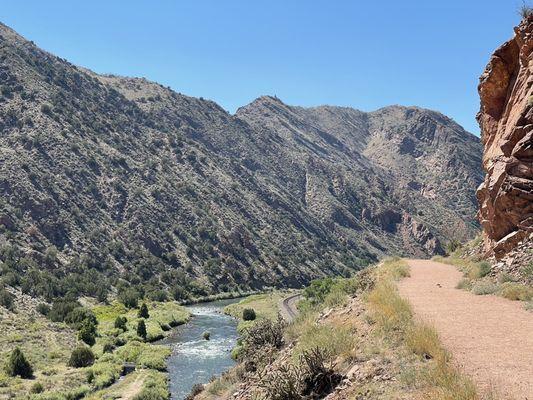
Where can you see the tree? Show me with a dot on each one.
(120, 323)
(6, 299)
(248, 314)
(129, 297)
(87, 332)
(143, 311)
(81, 357)
(17, 365)
(141, 329)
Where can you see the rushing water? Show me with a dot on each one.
(194, 359)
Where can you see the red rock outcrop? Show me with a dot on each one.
(506, 121)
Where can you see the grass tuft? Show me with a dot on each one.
(516, 291)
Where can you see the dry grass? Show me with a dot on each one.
(516, 291)
(423, 340)
(390, 311)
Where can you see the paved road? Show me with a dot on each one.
(490, 338)
(288, 308)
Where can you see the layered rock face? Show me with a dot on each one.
(506, 121)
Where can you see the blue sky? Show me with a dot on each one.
(363, 54)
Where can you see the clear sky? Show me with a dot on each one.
(363, 54)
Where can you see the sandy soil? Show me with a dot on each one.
(490, 338)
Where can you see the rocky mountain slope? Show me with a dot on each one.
(506, 120)
(109, 181)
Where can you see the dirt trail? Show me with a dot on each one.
(133, 388)
(490, 338)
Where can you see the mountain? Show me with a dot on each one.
(506, 120)
(108, 181)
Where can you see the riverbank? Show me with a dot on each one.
(48, 346)
(222, 296)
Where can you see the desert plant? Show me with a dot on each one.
(81, 356)
(17, 365)
(264, 333)
(143, 311)
(283, 383)
(318, 380)
(482, 288)
(248, 314)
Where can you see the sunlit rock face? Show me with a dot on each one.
(506, 120)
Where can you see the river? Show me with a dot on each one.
(194, 359)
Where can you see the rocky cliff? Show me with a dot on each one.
(108, 180)
(506, 120)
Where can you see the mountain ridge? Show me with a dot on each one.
(122, 181)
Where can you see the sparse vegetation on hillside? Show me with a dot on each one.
(280, 217)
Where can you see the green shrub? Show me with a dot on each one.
(108, 347)
(79, 316)
(37, 387)
(153, 357)
(129, 297)
(143, 311)
(318, 289)
(17, 365)
(43, 309)
(483, 269)
(6, 299)
(87, 332)
(81, 356)
(141, 329)
(482, 288)
(61, 308)
(155, 387)
(157, 295)
(248, 314)
(120, 323)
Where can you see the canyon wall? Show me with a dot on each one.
(506, 120)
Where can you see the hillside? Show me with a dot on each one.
(108, 181)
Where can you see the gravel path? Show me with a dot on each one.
(490, 338)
